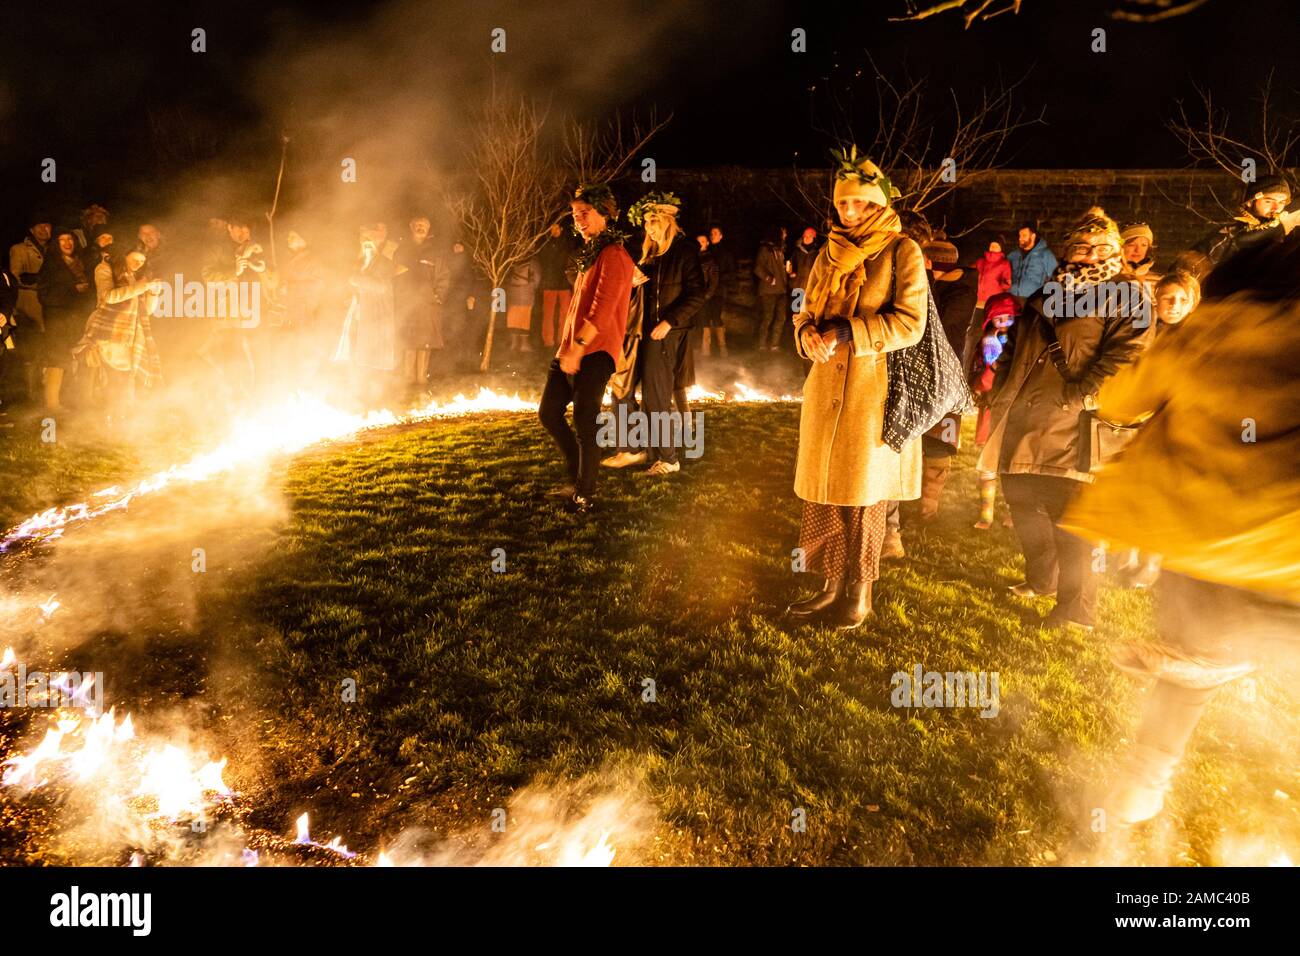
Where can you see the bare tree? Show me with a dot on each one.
(926, 143)
(1271, 139)
(975, 11)
(519, 170)
(507, 212)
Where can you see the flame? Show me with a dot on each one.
(51, 604)
(335, 845)
(8, 659)
(384, 860)
(169, 778)
(296, 424)
(1282, 859)
(178, 789)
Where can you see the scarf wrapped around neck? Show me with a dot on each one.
(1070, 274)
(846, 250)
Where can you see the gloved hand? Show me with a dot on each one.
(991, 347)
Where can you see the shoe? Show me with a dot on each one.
(578, 505)
(1175, 666)
(662, 467)
(1139, 792)
(893, 546)
(983, 525)
(1056, 619)
(803, 610)
(1023, 590)
(625, 458)
(564, 491)
(850, 609)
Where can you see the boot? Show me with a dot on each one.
(852, 608)
(53, 384)
(805, 609)
(933, 477)
(988, 500)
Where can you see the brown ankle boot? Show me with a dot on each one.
(827, 596)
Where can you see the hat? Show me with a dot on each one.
(1093, 224)
(1138, 230)
(1001, 303)
(1269, 183)
(858, 177)
(37, 217)
(660, 201)
(600, 196)
(98, 231)
(940, 251)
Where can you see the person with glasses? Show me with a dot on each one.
(1059, 358)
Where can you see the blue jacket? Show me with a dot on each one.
(1029, 270)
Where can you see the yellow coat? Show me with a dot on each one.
(842, 459)
(1212, 481)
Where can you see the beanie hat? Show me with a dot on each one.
(1269, 183)
(1138, 230)
(858, 177)
(100, 230)
(1094, 224)
(940, 251)
(600, 196)
(1001, 303)
(37, 217)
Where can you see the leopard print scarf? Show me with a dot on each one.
(1070, 274)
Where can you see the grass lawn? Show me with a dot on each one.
(472, 682)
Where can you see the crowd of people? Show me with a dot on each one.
(1070, 362)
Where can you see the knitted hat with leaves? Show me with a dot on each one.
(858, 177)
(661, 201)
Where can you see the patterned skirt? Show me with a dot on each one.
(843, 541)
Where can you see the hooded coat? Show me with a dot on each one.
(1035, 413)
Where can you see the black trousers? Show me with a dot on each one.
(585, 390)
(1054, 559)
(659, 366)
(771, 310)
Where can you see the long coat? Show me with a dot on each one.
(842, 458)
(1035, 412)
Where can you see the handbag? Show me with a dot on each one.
(926, 380)
(1100, 441)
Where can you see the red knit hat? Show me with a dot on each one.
(1003, 303)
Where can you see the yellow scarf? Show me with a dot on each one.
(846, 250)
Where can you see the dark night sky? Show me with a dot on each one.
(78, 83)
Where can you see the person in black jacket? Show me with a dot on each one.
(67, 297)
(1263, 220)
(672, 295)
(773, 284)
(955, 291)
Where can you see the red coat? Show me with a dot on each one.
(601, 296)
(995, 275)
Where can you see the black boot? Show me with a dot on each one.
(851, 609)
(803, 610)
